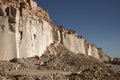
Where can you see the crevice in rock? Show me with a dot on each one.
(20, 9)
(12, 28)
(34, 35)
(21, 35)
(7, 11)
(12, 19)
(86, 46)
(29, 2)
(61, 36)
(11, 12)
(13, 15)
(22, 5)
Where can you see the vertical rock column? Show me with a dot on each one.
(93, 51)
(7, 33)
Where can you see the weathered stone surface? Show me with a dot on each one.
(26, 30)
(93, 51)
(102, 55)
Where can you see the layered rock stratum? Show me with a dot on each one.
(26, 30)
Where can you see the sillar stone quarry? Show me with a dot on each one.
(32, 47)
(27, 30)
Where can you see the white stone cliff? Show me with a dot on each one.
(26, 30)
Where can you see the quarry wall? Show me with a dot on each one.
(26, 30)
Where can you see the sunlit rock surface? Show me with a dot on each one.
(26, 30)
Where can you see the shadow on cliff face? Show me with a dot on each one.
(57, 63)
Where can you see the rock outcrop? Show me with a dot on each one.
(26, 30)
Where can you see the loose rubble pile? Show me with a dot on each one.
(57, 58)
